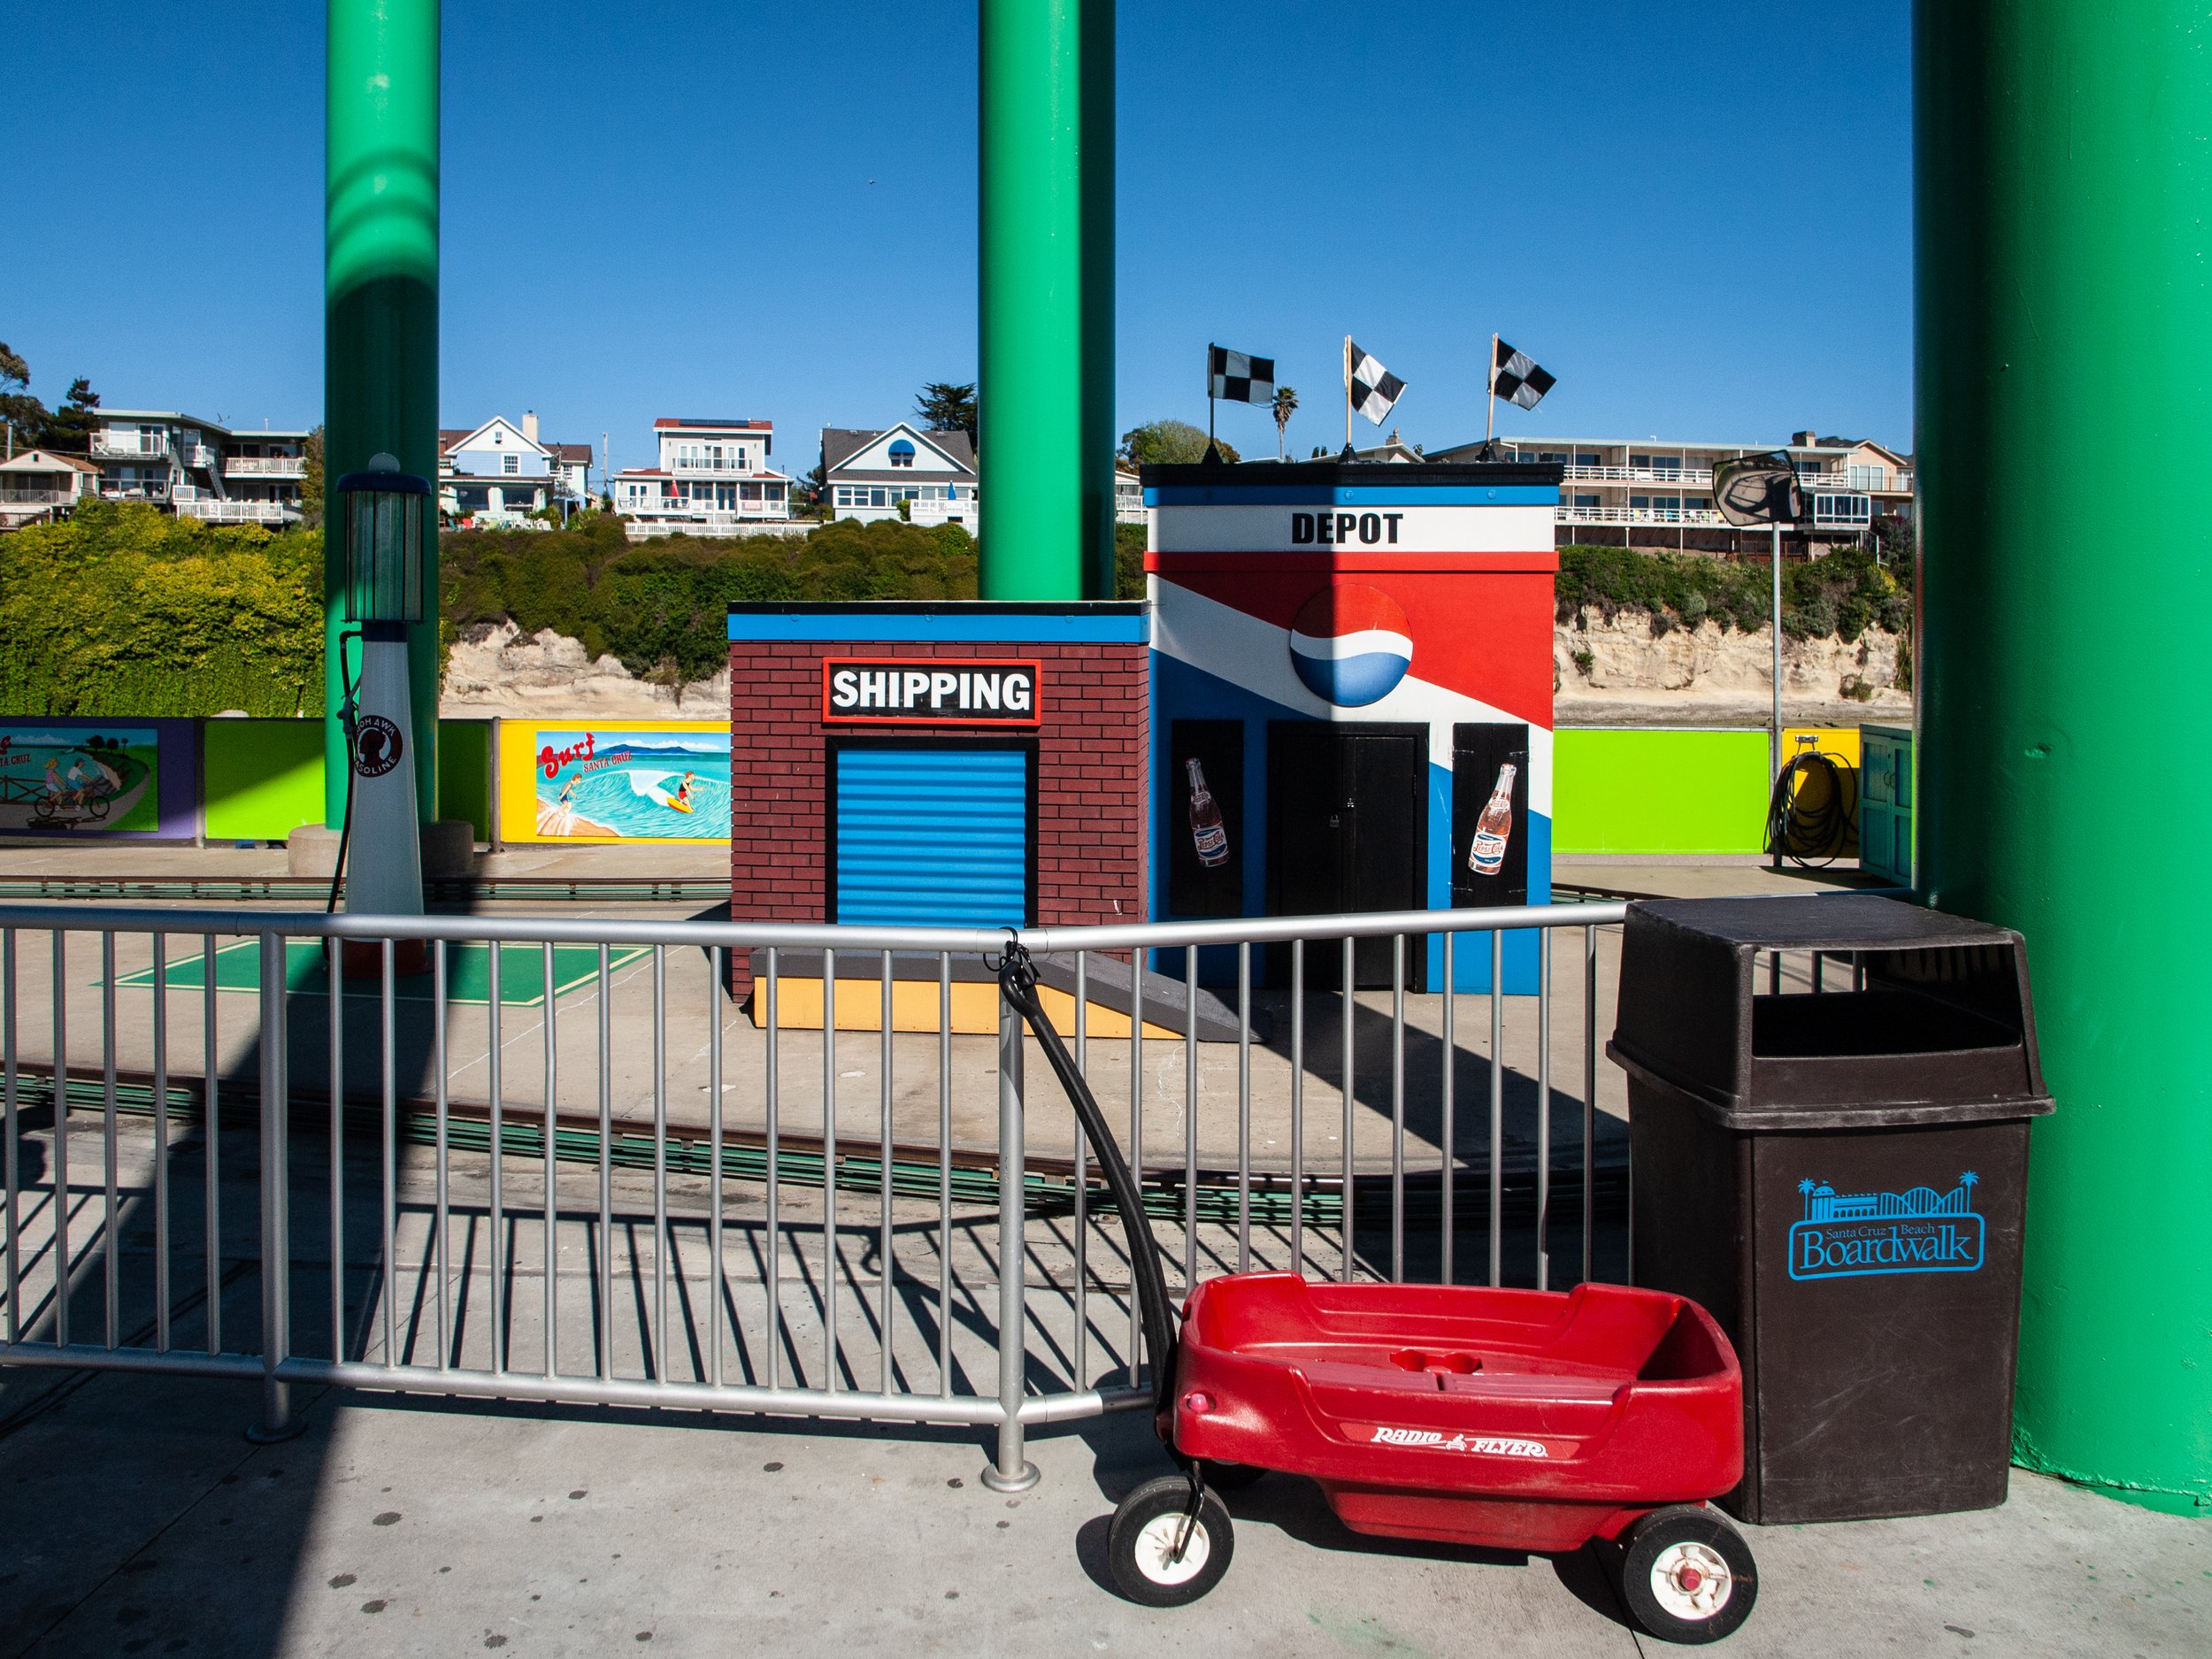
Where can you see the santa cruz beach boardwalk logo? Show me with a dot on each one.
(1848, 1235)
(1351, 646)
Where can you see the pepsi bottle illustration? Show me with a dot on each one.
(1495, 828)
(1206, 827)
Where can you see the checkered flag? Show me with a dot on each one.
(1236, 377)
(1374, 388)
(1516, 377)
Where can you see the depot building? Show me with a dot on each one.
(1339, 668)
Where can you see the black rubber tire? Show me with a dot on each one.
(1133, 1555)
(1233, 1477)
(1646, 1541)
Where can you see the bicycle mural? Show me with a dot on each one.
(98, 780)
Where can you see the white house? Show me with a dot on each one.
(39, 484)
(713, 479)
(199, 469)
(866, 475)
(1128, 497)
(497, 474)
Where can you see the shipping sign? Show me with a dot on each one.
(911, 691)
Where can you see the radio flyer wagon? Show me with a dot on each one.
(1512, 1419)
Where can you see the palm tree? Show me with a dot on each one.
(1285, 404)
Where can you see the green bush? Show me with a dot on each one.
(658, 606)
(124, 610)
(1844, 593)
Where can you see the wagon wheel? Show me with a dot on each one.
(1141, 1541)
(1686, 1575)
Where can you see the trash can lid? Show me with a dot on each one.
(1936, 1023)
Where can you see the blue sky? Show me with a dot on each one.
(1698, 218)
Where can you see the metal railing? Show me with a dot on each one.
(685, 514)
(130, 446)
(559, 1163)
(1637, 515)
(1684, 474)
(236, 512)
(266, 466)
(729, 467)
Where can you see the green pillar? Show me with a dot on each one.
(2064, 162)
(380, 318)
(1047, 295)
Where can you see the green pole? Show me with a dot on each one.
(2065, 164)
(1046, 289)
(380, 320)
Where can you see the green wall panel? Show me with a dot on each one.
(262, 779)
(464, 773)
(1633, 790)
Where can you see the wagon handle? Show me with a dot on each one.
(1018, 983)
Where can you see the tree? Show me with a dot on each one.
(312, 479)
(1285, 404)
(23, 416)
(943, 407)
(1167, 444)
(68, 430)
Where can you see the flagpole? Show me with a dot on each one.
(1490, 402)
(1348, 391)
(1211, 350)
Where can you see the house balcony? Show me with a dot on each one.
(131, 446)
(135, 492)
(1637, 474)
(1846, 513)
(714, 468)
(34, 497)
(261, 512)
(196, 454)
(266, 466)
(1639, 515)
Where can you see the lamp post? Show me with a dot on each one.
(382, 510)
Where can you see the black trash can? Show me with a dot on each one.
(1840, 1178)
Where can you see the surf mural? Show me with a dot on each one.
(600, 783)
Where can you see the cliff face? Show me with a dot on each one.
(1603, 670)
(1604, 673)
(501, 671)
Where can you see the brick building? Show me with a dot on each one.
(965, 764)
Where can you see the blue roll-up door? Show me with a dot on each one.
(935, 837)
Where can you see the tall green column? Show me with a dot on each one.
(2064, 163)
(380, 319)
(1047, 295)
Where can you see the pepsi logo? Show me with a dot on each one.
(1351, 646)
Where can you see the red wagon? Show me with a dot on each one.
(1514, 1419)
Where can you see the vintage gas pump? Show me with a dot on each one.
(383, 510)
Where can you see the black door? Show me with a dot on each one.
(1347, 825)
(1479, 754)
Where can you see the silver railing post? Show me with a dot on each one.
(1012, 1471)
(276, 1422)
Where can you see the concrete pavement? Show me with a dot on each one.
(140, 1523)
